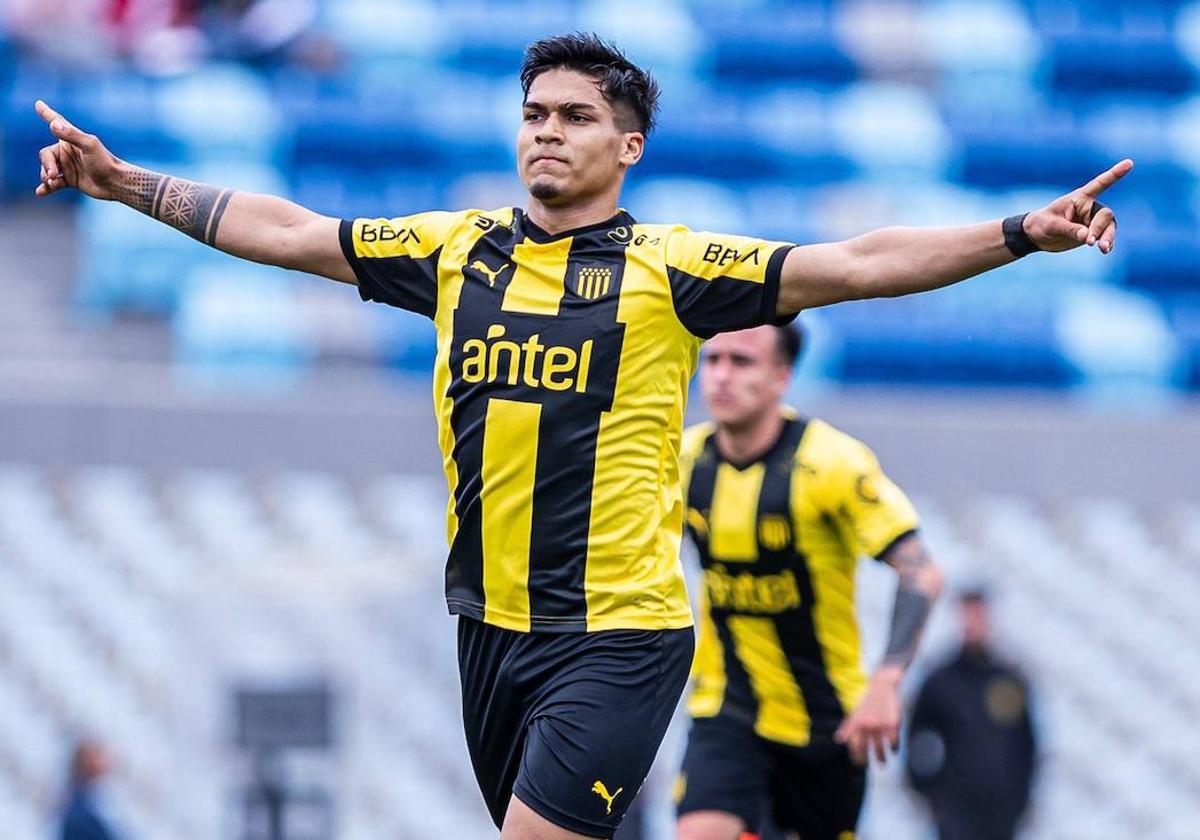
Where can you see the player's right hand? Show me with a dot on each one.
(76, 160)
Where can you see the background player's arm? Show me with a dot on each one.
(898, 261)
(919, 586)
(262, 228)
(875, 724)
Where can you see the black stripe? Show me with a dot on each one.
(770, 295)
(797, 628)
(163, 182)
(700, 489)
(570, 426)
(478, 305)
(346, 238)
(739, 703)
(215, 218)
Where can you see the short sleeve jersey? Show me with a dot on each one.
(779, 540)
(560, 384)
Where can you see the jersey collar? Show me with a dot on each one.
(535, 233)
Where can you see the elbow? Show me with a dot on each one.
(932, 580)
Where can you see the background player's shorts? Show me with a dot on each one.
(816, 791)
(569, 722)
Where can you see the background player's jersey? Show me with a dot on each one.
(778, 541)
(560, 382)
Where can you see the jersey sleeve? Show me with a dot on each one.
(721, 282)
(869, 510)
(396, 260)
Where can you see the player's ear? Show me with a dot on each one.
(635, 144)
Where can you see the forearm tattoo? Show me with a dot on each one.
(913, 600)
(195, 209)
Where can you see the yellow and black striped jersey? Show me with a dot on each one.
(560, 384)
(778, 541)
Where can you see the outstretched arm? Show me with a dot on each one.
(898, 261)
(261, 228)
(875, 724)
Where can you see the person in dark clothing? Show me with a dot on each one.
(81, 820)
(972, 751)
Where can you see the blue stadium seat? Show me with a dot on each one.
(239, 325)
(1165, 260)
(1184, 312)
(1000, 150)
(960, 336)
(1120, 61)
(785, 42)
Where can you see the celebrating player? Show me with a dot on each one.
(567, 333)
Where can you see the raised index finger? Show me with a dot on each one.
(1106, 179)
(46, 112)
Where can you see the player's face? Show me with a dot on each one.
(570, 146)
(743, 376)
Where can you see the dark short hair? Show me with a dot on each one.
(621, 82)
(791, 342)
(974, 594)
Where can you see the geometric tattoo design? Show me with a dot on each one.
(195, 209)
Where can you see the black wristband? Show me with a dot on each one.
(1015, 237)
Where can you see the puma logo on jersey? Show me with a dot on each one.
(600, 790)
(481, 267)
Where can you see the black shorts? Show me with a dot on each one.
(569, 722)
(816, 791)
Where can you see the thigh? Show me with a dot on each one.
(726, 769)
(819, 795)
(494, 714)
(597, 719)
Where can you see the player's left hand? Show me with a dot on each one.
(874, 727)
(1077, 218)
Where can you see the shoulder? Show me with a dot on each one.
(442, 224)
(473, 222)
(694, 438)
(827, 448)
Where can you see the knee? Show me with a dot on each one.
(709, 825)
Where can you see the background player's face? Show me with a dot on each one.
(571, 146)
(743, 376)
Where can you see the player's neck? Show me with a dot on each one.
(555, 220)
(746, 443)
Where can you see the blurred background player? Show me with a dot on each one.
(972, 749)
(780, 508)
(83, 815)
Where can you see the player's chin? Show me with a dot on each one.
(727, 413)
(547, 189)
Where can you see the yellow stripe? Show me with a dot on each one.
(604, 288)
(537, 284)
(450, 282)
(732, 521)
(782, 712)
(509, 462)
(831, 568)
(708, 668)
(633, 578)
